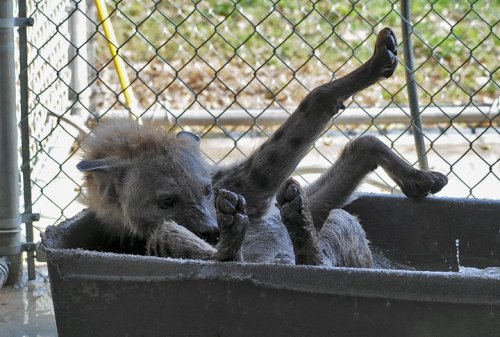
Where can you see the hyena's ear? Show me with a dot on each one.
(189, 138)
(96, 165)
(108, 176)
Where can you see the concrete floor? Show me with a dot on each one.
(26, 310)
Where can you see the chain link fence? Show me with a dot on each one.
(232, 71)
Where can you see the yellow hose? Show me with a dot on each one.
(109, 33)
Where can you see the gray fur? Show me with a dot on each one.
(343, 242)
(143, 183)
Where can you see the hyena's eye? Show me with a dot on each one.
(208, 191)
(166, 201)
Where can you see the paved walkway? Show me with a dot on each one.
(26, 310)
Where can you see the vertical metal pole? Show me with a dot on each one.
(411, 86)
(78, 54)
(25, 136)
(10, 220)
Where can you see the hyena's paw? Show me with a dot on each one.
(384, 59)
(292, 203)
(421, 183)
(233, 222)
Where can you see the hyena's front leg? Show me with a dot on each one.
(233, 222)
(260, 175)
(173, 240)
(360, 157)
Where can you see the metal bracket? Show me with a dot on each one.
(28, 247)
(9, 233)
(22, 218)
(26, 217)
(35, 248)
(16, 22)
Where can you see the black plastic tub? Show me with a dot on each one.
(115, 294)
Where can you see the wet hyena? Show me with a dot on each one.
(146, 184)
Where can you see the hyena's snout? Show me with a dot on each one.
(202, 221)
(210, 232)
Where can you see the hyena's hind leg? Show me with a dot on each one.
(360, 157)
(343, 241)
(340, 241)
(259, 176)
(173, 240)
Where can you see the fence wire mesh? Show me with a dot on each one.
(233, 70)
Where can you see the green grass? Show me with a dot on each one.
(306, 41)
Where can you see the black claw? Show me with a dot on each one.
(392, 56)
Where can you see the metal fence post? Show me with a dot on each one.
(25, 137)
(10, 220)
(411, 86)
(79, 88)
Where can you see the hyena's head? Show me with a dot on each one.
(164, 180)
